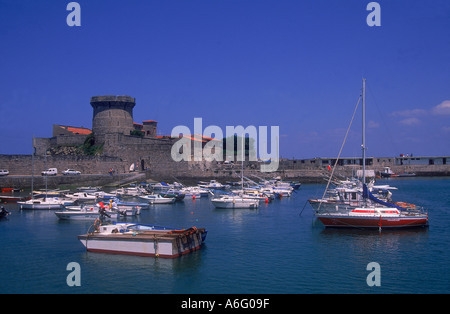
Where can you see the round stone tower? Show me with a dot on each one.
(112, 114)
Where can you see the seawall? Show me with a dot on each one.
(96, 170)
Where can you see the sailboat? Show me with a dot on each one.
(373, 212)
(236, 201)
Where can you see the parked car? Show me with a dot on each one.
(50, 172)
(4, 172)
(71, 172)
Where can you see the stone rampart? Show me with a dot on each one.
(23, 164)
(157, 164)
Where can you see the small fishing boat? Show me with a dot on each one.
(81, 196)
(195, 191)
(254, 194)
(89, 189)
(129, 191)
(142, 240)
(191, 194)
(213, 184)
(127, 205)
(157, 199)
(388, 173)
(85, 213)
(231, 202)
(178, 195)
(161, 186)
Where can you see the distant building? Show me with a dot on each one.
(406, 160)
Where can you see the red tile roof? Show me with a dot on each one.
(76, 130)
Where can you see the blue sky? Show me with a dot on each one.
(293, 64)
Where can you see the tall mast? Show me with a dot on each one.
(364, 131)
(32, 168)
(242, 163)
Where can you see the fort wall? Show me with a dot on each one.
(157, 166)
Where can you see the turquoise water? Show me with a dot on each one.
(269, 250)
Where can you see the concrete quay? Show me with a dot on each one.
(54, 182)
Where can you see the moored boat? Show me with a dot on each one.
(372, 212)
(213, 184)
(142, 240)
(85, 213)
(12, 199)
(81, 196)
(375, 217)
(231, 202)
(157, 199)
(42, 203)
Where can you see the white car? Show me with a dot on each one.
(71, 172)
(4, 172)
(50, 172)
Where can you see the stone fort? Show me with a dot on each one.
(121, 141)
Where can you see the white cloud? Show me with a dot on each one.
(410, 121)
(442, 109)
(409, 113)
(373, 125)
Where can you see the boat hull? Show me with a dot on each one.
(236, 204)
(151, 244)
(12, 199)
(40, 206)
(158, 200)
(346, 221)
(72, 215)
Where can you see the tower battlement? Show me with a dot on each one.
(107, 98)
(112, 114)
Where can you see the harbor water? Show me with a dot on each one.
(269, 250)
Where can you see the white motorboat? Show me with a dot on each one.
(88, 212)
(130, 191)
(213, 184)
(85, 213)
(81, 196)
(255, 194)
(127, 205)
(161, 186)
(157, 199)
(196, 191)
(104, 195)
(89, 189)
(228, 201)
